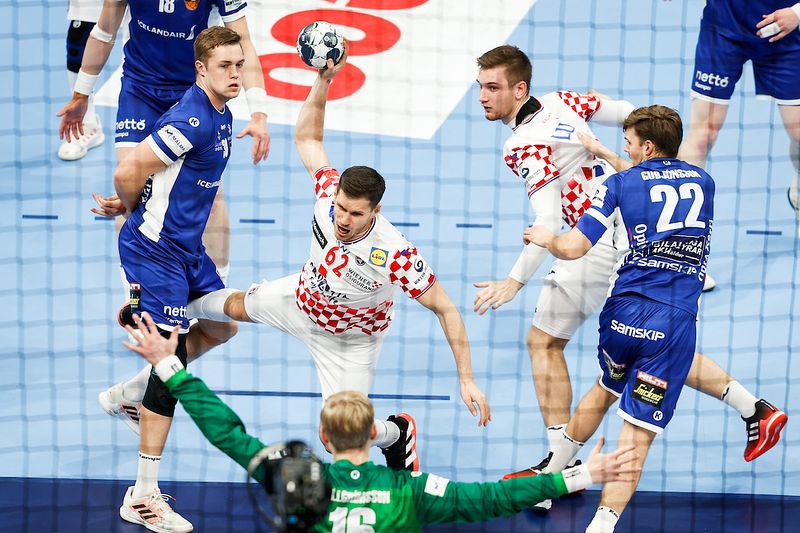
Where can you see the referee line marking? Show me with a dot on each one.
(257, 220)
(41, 217)
(301, 394)
(763, 232)
(468, 225)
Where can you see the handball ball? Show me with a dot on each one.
(318, 42)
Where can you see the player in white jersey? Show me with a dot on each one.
(546, 150)
(341, 303)
(82, 16)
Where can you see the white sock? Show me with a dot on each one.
(387, 433)
(564, 452)
(133, 389)
(554, 435)
(211, 306)
(126, 286)
(223, 273)
(146, 475)
(604, 521)
(740, 399)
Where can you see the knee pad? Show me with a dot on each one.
(157, 397)
(77, 36)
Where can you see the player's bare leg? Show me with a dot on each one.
(791, 121)
(550, 376)
(763, 421)
(217, 236)
(208, 334)
(617, 494)
(706, 121)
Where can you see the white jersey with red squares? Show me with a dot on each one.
(346, 285)
(545, 147)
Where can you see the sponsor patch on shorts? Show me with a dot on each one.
(649, 389)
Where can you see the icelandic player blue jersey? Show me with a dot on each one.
(666, 207)
(194, 140)
(737, 19)
(162, 34)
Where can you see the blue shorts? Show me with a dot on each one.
(718, 63)
(645, 352)
(139, 109)
(163, 283)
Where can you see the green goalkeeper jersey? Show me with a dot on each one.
(369, 497)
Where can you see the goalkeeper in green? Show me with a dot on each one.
(365, 494)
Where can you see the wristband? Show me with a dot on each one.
(102, 35)
(84, 83)
(256, 100)
(577, 478)
(168, 367)
(796, 9)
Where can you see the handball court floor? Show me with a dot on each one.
(65, 464)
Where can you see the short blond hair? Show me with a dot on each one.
(347, 418)
(211, 38)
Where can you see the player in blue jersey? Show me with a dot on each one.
(165, 190)
(664, 209)
(733, 32)
(156, 72)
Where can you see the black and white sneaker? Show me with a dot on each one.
(402, 455)
(114, 404)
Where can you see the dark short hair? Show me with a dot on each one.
(516, 63)
(660, 125)
(363, 182)
(211, 38)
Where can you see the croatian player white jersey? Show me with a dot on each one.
(346, 285)
(193, 139)
(666, 207)
(162, 34)
(84, 10)
(545, 147)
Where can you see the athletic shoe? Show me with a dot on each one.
(77, 148)
(402, 455)
(535, 471)
(794, 201)
(763, 429)
(709, 284)
(114, 404)
(153, 512)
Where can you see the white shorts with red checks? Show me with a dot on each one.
(344, 361)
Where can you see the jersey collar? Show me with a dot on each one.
(527, 111)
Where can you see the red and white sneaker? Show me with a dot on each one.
(402, 455)
(77, 148)
(763, 429)
(153, 512)
(114, 404)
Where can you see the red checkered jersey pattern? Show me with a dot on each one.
(575, 199)
(408, 270)
(583, 104)
(326, 179)
(534, 163)
(337, 318)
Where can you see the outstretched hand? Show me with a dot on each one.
(471, 395)
(257, 129)
(331, 68)
(619, 465)
(494, 294)
(152, 345)
(538, 235)
(108, 206)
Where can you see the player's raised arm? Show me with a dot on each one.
(253, 81)
(310, 125)
(98, 48)
(437, 300)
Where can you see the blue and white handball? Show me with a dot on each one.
(318, 42)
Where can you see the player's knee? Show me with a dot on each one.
(218, 332)
(234, 307)
(540, 342)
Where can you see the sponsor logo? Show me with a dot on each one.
(435, 485)
(359, 261)
(616, 371)
(658, 415)
(135, 296)
(253, 289)
(378, 257)
(317, 231)
(360, 281)
(175, 311)
(194, 122)
(709, 79)
(176, 138)
(208, 184)
(165, 33)
(637, 333)
(131, 124)
(599, 197)
(231, 5)
(419, 265)
(649, 389)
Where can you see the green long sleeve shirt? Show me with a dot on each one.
(369, 497)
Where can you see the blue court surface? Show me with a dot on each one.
(65, 464)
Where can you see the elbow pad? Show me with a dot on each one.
(613, 112)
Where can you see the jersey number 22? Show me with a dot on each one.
(670, 196)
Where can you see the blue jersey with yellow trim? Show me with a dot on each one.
(193, 139)
(666, 207)
(162, 32)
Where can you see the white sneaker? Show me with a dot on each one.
(709, 284)
(75, 149)
(114, 404)
(153, 512)
(543, 505)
